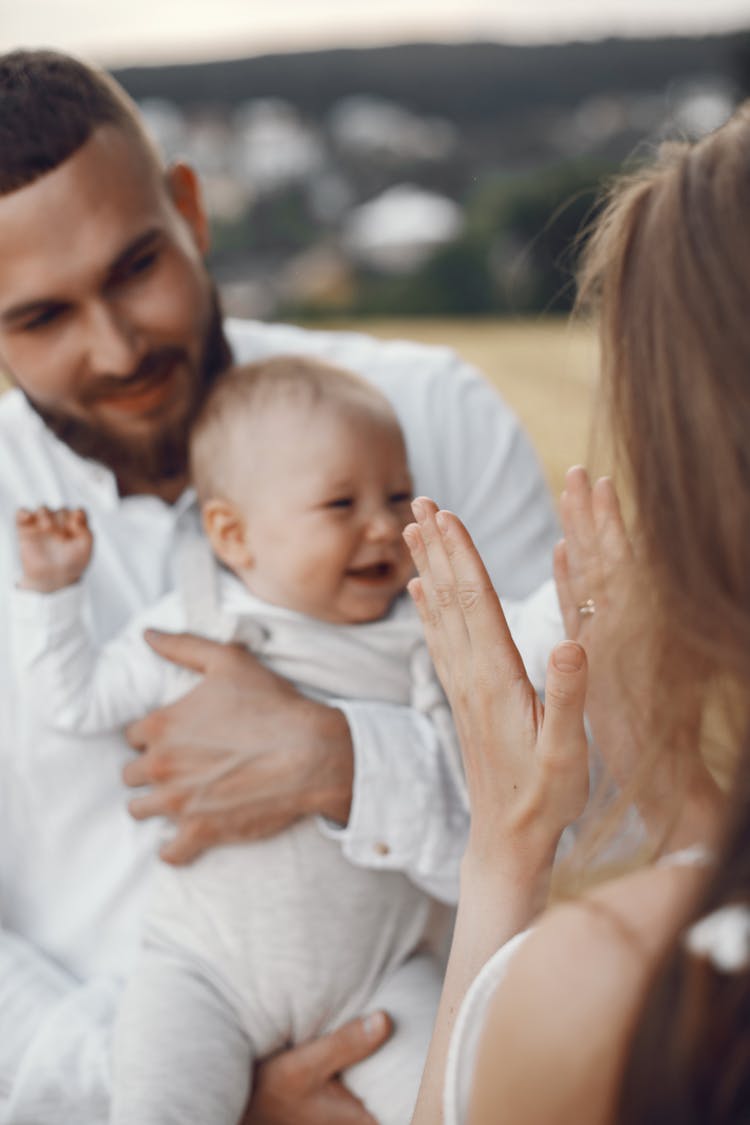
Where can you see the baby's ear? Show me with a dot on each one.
(227, 533)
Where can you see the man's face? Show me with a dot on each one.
(107, 314)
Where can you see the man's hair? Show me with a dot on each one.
(238, 402)
(50, 104)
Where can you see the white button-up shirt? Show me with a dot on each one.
(73, 866)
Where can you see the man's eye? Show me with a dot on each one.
(341, 502)
(140, 265)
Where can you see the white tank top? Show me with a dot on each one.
(464, 1045)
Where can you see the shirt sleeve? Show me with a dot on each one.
(55, 1037)
(77, 687)
(409, 810)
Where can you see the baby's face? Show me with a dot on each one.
(324, 511)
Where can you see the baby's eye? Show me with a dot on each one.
(142, 263)
(399, 498)
(341, 502)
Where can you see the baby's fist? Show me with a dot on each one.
(54, 545)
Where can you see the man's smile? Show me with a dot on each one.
(143, 395)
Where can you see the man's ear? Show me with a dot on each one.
(185, 189)
(227, 534)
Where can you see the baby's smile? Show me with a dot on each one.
(373, 572)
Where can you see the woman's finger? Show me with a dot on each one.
(566, 597)
(582, 548)
(433, 635)
(614, 545)
(480, 606)
(563, 748)
(439, 582)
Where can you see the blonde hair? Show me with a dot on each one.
(240, 400)
(669, 267)
(667, 271)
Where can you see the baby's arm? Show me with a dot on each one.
(76, 686)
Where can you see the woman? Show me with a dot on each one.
(633, 1003)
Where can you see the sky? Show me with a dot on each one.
(114, 32)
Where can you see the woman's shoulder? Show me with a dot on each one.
(559, 1022)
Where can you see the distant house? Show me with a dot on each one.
(400, 228)
(274, 145)
(367, 126)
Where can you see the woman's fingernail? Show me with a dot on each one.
(442, 521)
(568, 657)
(418, 509)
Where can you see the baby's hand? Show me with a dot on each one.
(55, 547)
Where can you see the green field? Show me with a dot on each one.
(545, 369)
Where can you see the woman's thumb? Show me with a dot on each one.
(564, 736)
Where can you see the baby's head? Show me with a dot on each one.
(304, 486)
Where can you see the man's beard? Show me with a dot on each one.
(163, 455)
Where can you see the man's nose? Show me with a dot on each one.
(112, 343)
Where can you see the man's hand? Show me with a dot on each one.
(300, 1086)
(240, 757)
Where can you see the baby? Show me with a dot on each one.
(302, 476)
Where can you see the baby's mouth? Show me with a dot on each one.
(375, 572)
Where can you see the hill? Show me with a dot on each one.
(470, 81)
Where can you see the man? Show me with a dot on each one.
(110, 330)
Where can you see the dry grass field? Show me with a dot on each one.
(545, 369)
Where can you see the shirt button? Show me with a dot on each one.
(381, 849)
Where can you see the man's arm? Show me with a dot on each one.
(54, 1040)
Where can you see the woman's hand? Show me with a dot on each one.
(526, 764)
(595, 574)
(651, 755)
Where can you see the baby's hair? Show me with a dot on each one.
(241, 397)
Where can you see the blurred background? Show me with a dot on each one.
(423, 169)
